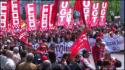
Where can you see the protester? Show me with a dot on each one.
(86, 61)
(98, 51)
(55, 45)
(109, 63)
(16, 55)
(10, 64)
(27, 65)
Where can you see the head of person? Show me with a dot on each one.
(111, 34)
(16, 50)
(66, 56)
(23, 53)
(98, 41)
(63, 61)
(44, 46)
(9, 53)
(85, 53)
(29, 57)
(52, 56)
(107, 55)
(68, 35)
(77, 58)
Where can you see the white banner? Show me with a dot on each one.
(114, 44)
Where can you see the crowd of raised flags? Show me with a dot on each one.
(61, 39)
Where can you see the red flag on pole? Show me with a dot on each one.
(54, 12)
(81, 42)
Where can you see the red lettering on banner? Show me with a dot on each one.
(63, 13)
(87, 11)
(31, 13)
(102, 20)
(15, 14)
(3, 16)
(95, 13)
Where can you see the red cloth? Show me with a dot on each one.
(54, 11)
(81, 42)
(98, 52)
(79, 7)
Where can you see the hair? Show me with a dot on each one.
(16, 50)
(9, 53)
(23, 53)
(52, 56)
(29, 57)
(84, 52)
(65, 55)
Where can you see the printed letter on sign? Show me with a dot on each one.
(3, 16)
(31, 13)
(95, 13)
(102, 20)
(15, 14)
(87, 11)
(63, 13)
(44, 17)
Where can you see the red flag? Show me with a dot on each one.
(81, 42)
(54, 12)
(79, 7)
(23, 37)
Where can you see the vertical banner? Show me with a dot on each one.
(44, 17)
(87, 11)
(51, 25)
(15, 18)
(62, 13)
(95, 14)
(3, 16)
(31, 16)
(69, 19)
(102, 20)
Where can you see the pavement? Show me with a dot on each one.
(119, 56)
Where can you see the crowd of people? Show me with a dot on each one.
(49, 50)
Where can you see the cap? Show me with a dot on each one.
(44, 57)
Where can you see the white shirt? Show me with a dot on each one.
(10, 64)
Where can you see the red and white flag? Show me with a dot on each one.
(95, 14)
(15, 15)
(31, 16)
(102, 20)
(81, 42)
(3, 16)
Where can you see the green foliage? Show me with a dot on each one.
(114, 6)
